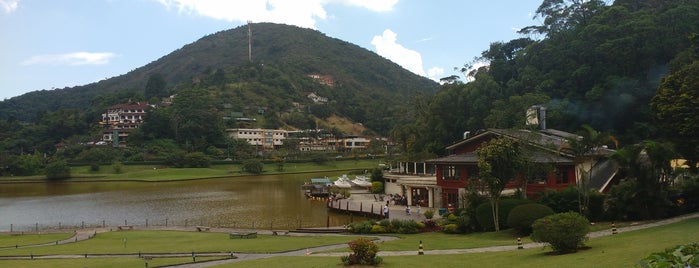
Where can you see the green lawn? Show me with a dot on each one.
(162, 173)
(99, 262)
(620, 250)
(11, 240)
(133, 242)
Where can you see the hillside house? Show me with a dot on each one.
(265, 138)
(121, 119)
(456, 172)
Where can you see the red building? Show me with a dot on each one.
(459, 171)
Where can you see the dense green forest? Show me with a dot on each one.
(588, 63)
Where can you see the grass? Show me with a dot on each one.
(620, 250)
(133, 242)
(439, 240)
(162, 173)
(11, 240)
(99, 262)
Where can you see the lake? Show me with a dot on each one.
(263, 202)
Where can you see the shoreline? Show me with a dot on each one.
(84, 178)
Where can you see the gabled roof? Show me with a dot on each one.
(536, 156)
(548, 138)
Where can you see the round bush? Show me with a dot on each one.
(522, 217)
(364, 253)
(565, 232)
(484, 213)
(57, 170)
(378, 229)
(360, 227)
(451, 228)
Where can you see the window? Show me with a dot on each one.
(562, 175)
(450, 173)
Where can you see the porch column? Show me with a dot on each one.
(409, 195)
(415, 168)
(424, 168)
(430, 197)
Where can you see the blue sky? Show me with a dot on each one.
(62, 43)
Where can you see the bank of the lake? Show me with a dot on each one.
(160, 173)
(219, 196)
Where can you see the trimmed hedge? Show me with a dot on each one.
(523, 216)
(565, 232)
(484, 213)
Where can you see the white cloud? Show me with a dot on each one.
(302, 13)
(387, 47)
(435, 73)
(9, 6)
(373, 5)
(76, 58)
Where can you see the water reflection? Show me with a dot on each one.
(274, 201)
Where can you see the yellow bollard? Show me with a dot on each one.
(519, 243)
(420, 249)
(613, 228)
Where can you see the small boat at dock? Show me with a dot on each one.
(343, 182)
(362, 181)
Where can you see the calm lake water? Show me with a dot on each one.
(263, 202)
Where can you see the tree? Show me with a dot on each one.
(499, 161)
(647, 171)
(57, 170)
(584, 149)
(676, 107)
(562, 15)
(155, 87)
(195, 119)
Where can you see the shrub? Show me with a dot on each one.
(564, 201)
(94, 167)
(451, 228)
(57, 170)
(429, 214)
(679, 256)
(377, 229)
(377, 187)
(521, 217)
(484, 213)
(360, 227)
(117, 167)
(364, 253)
(431, 226)
(253, 166)
(409, 227)
(196, 160)
(565, 232)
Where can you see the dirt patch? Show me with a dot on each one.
(343, 124)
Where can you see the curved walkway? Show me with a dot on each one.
(81, 235)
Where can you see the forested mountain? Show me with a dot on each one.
(369, 89)
(588, 63)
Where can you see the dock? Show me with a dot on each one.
(371, 206)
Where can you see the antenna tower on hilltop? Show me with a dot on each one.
(249, 40)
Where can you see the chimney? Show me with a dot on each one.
(536, 116)
(467, 134)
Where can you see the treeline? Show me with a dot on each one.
(588, 63)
